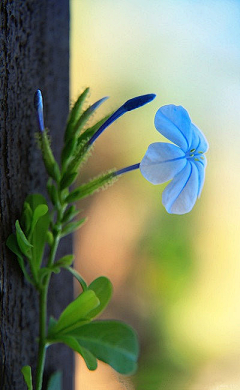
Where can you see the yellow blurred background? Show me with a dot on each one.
(176, 278)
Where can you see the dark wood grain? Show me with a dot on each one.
(34, 50)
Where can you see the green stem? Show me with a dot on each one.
(42, 335)
(42, 344)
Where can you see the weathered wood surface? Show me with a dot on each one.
(34, 50)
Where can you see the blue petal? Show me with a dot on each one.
(162, 162)
(180, 195)
(201, 165)
(175, 124)
(199, 141)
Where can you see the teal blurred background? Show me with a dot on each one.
(176, 278)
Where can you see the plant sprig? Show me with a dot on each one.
(42, 225)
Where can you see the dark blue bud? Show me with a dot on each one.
(38, 105)
(138, 101)
(129, 105)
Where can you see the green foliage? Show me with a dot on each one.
(27, 374)
(74, 115)
(51, 165)
(75, 314)
(92, 186)
(103, 290)
(22, 240)
(110, 341)
(39, 227)
(113, 342)
(67, 179)
(71, 227)
(13, 246)
(55, 381)
(69, 214)
(30, 239)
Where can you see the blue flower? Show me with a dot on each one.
(184, 163)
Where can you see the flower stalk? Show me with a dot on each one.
(183, 162)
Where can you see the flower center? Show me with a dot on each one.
(195, 155)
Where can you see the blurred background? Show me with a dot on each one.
(176, 278)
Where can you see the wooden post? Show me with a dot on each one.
(34, 50)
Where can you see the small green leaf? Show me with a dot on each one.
(50, 163)
(76, 313)
(27, 374)
(39, 234)
(69, 214)
(67, 179)
(74, 115)
(72, 343)
(113, 342)
(39, 212)
(68, 152)
(65, 261)
(52, 192)
(92, 186)
(72, 226)
(103, 290)
(86, 115)
(78, 277)
(26, 218)
(22, 240)
(49, 238)
(55, 381)
(52, 323)
(13, 246)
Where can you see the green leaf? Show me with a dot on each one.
(72, 343)
(52, 192)
(69, 214)
(49, 238)
(78, 277)
(67, 179)
(26, 218)
(72, 226)
(52, 323)
(22, 240)
(74, 115)
(65, 261)
(113, 342)
(47, 270)
(50, 163)
(41, 224)
(13, 246)
(68, 151)
(92, 186)
(75, 314)
(103, 290)
(27, 374)
(55, 381)
(86, 115)
(39, 212)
